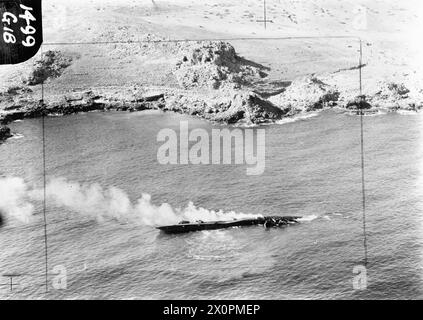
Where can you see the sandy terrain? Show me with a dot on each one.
(391, 33)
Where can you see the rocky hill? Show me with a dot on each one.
(133, 62)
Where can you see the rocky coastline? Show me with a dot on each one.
(214, 83)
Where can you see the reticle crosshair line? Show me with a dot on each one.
(265, 20)
(11, 285)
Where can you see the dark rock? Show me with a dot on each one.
(153, 97)
(236, 117)
(263, 110)
(12, 107)
(37, 111)
(17, 90)
(398, 88)
(142, 106)
(359, 103)
(10, 117)
(5, 133)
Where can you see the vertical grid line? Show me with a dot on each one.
(363, 181)
(44, 182)
(265, 15)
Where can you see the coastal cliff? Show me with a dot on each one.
(213, 83)
(250, 81)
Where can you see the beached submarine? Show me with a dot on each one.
(267, 222)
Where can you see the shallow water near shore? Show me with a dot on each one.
(313, 169)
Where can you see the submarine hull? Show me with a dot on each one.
(268, 222)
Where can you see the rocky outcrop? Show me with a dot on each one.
(5, 133)
(21, 107)
(396, 96)
(306, 95)
(358, 103)
(51, 65)
(215, 65)
(260, 110)
(215, 83)
(225, 107)
(389, 96)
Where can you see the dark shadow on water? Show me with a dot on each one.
(2, 222)
(164, 236)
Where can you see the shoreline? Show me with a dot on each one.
(88, 101)
(207, 79)
(245, 106)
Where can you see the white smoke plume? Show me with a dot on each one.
(14, 199)
(17, 200)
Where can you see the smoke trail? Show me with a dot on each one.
(100, 203)
(14, 199)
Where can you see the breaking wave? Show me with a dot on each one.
(17, 136)
(408, 113)
(296, 118)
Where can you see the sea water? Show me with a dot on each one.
(313, 169)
